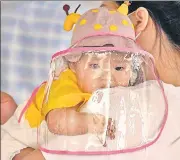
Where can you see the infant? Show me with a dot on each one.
(84, 72)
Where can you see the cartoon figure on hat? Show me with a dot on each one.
(71, 19)
(102, 63)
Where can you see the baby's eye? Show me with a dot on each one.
(94, 66)
(119, 68)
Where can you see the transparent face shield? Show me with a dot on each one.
(101, 100)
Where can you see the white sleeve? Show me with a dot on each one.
(17, 136)
(10, 147)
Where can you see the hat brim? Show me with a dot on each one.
(99, 41)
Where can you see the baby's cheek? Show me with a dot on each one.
(122, 78)
(95, 86)
(127, 77)
(90, 85)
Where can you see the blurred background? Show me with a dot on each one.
(31, 32)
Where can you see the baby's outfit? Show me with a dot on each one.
(64, 93)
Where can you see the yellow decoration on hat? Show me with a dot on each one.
(83, 21)
(97, 26)
(125, 22)
(113, 28)
(74, 29)
(112, 11)
(132, 26)
(95, 10)
(71, 19)
(123, 9)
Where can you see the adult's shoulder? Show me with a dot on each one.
(171, 87)
(173, 93)
(173, 122)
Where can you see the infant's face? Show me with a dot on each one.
(95, 71)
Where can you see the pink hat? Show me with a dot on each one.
(99, 27)
(102, 21)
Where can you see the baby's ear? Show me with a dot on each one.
(72, 66)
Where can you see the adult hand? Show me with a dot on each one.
(8, 107)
